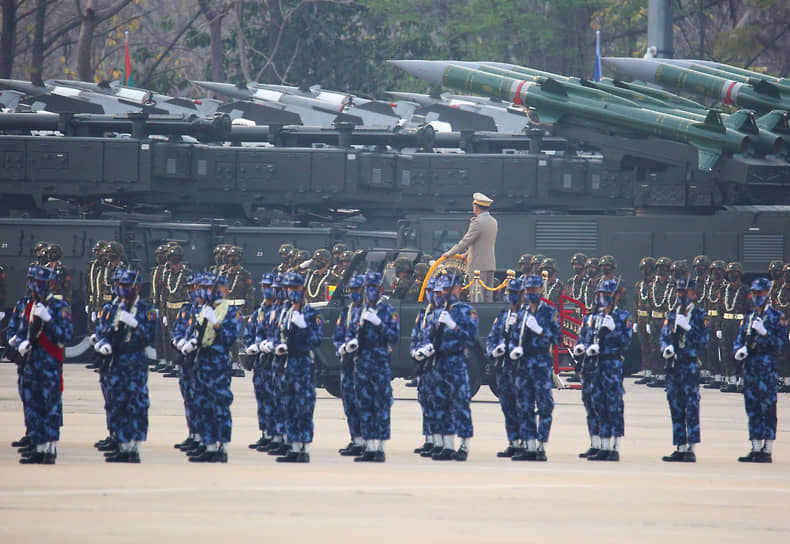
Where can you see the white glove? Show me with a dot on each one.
(445, 318)
(511, 320)
(718, 335)
(127, 318)
(104, 348)
(93, 317)
(669, 352)
(208, 313)
(164, 320)
(93, 339)
(634, 328)
(593, 350)
(499, 351)
(608, 322)
(352, 345)
(419, 354)
(180, 344)
(759, 326)
(741, 354)
(342, 350)
(532, 324)
(298, 319)
(41, 311)
(2, 316)
(189, 346)
(578, 350)
(252, 349)
(24, 348)
(647, 328)
(87, 310)
(14, 341)
(281, 349)
(370, 315)
(516, 353)
(266, 346)
(428, 349)
(682, 322)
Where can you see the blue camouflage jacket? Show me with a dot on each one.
(612, 343)
(133, 339)
(378, 338)
(465, 333)
(772, 342)
(688, 344)
(533, 343)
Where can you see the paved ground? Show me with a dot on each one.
(82, 499)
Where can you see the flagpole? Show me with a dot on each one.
(597, 72)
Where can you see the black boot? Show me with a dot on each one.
(540, 455)
(278, 448)
(254, 445)
(352, 450)
(186, 443)
(294, 457)
(39, 458)
(590, 451)
(445, 454)
(425, 447)
(368, 456)
(110, 445)
(461, 455)
(525, 455)
(124, 457)
(689, 457)
(21, 443)
(510, 451)
(751, 457)
(764, 457)
(676, 456)
(602, 455)
(196, 451)
(430, 453)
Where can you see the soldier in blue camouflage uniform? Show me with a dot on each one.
(530, 340)
(44, 330)
(684, 337)
(259, 348)
(300, 334)
(378, 329)
(14, 321)
(133, 323)
(219, 323)
(185, 320)
(761, 335)
(607, 337)
(345, 333)
(586, 371)
(418, 338)
(279, 444)
(504, 367)
(454, 330)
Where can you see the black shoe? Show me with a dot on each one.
(510, 451)
(197, 451)
(352, 450)
(445, 454)
(21, 443)
(39, 458)
(602, 455)
(689, 457)
(187, 443)
(729, 388)
(294, 457)
(172, 373)
(461, 454)
(279, 448)
(713, 384)
(110, 445)
(589, 452)
(412, 383)
(657, 382)
(204, 457)
(263, 448)
(763, 457)
(676, 456)
(614, 455)
(540, 455)
(644, 380)
(254, 445)
(370, 457)
(427, 446)
(102, 441)
(525, 455)
(430, 453)
(750, 457)
(26, 450)
(123, 457)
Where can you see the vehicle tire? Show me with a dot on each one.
(332, 384)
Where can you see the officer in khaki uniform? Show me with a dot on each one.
(736, 306)
(661, 292)
(714, 309)
(241, 295)
(318, 279)
(480, 245)
(174, 296)
(647, 267)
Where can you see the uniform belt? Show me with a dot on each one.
(658, 315)
(175, 305)
(733, 316)
(59, 297)
(642, 313)
(237, 302)
(713, 313)
(106, 298)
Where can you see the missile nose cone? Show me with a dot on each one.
(643, 69)
(427, 70)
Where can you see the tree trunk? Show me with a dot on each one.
(85, 42)
(37, 55)
(8, 38)
(275, 26)
(215, 31)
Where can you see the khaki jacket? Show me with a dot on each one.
(480, 243)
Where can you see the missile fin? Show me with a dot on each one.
(549, 117)
(764, 87)
(551, 85)
(712, 122)
(707, 158)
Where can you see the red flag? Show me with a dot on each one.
(127, 68)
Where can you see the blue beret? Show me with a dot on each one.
(431, 284)
(222, 279)
(267, 279)
(357, 280)
(761, 284)
(207, 278)
(606, 286)
(278, 281)
(293, 279)
(515, 285)
(451, 280)
(533, 280)
(373, 278)
(43, 273)
(128, 276)
(192, 279)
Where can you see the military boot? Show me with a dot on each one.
(39, 458)
(445, 454)
(124, 457)
(676, 456)
(21, 443)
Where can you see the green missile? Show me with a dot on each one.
(555, 102)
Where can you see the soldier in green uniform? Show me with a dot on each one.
(285, 259)
(157, 286)
(300, 262)
(608, 266)
(174, 295)
(537, 260)
(62, 289)
(552, 286)
(574, 287)
(93, 271)
(781, 302)
(736, 305)
(40, 253)
(525, 265)
(241, 295)
(420, 270)
(339, 268)
(592, 273)
(337, 252)
(714, 309)
(403, 278)
(775, 274)
(660, 294)
(642, 307)
(318, 278)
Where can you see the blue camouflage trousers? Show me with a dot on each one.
(608, 397)
(128, 387)
(427, 396)
(505, 376)
(213, 396)
(454, 416)
(683, 397)
(186, 383)
(22, 387)
(263, 384)
(373, 392)
(533, 390)
(588, 385)
(759, 396)
(348, 395)
(104, 381)
(278, 385)
(43, 399)
(298, 395)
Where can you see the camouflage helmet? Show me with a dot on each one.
(526, 258)
(284, 250)
(40, 248)
(607, 260)
(549, 263)
(420, 270)
(99, 246)
(293, 252)
(403, 264)
(322, 256)
(681, 265)
(578, 258)
(775, 266)
(537, 259)
(647, 262)
(54, 252)
(701, 260)
(175, 252)
(234, 251)
(591, 261)
(786, 268)
(115, 248)
(302, 255)
(721, 265)
(663, 261)
(735, 267)
(339, 247)
(161, 249)
(346, 256)
(218, 249)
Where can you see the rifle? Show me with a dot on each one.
(117, 334)
(499, 362)
(33, 330)
(749, 342)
